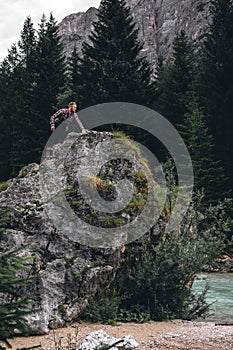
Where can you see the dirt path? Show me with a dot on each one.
(173, 335)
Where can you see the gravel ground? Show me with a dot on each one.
(173, 335)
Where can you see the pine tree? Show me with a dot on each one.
(25, 114)
(13, 307)
(208, 172)
(70, 90)
(10, 79)
(214, 81)
(72, 71)
(175, 81)
(112, 67)
(17, 77)
(27, 48)
(50, 66)
(5, 124)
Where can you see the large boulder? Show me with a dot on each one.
(66, 272)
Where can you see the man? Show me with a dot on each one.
(63, 114)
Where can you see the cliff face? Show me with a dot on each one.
(158, 22)
(75, 28)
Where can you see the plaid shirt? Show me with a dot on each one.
(63, 114)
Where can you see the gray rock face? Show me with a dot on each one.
(66, 273)
(97, 339)
(158, 22)
(71, 262)
(75, 29)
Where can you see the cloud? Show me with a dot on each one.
(14, 12)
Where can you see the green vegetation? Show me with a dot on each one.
(195, 86)
(213, 83)
(22, 172)
(208, 172)
(14, 307)
(175, 80)
(155, 279)
(118, 134)
(4, 186)
(64, 343)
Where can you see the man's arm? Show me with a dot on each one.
(79, 122)
(55, 118)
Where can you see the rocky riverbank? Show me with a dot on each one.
(222, 264)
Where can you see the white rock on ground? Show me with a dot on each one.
(96, 339)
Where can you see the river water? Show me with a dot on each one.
(220, 293)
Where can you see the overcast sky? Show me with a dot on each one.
(14, 12)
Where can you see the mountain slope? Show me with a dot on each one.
(158, 22)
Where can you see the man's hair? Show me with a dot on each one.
(72, 103)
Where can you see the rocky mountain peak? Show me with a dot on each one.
(158, 22)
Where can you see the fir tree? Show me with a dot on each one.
(175, 81)
(5, 124)
(112, 67)
(50, 65)
(17, 78)
(10, 78)
(25, 115)
(214, 81)
(69, 92)
(208, 172)
(72, 72)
